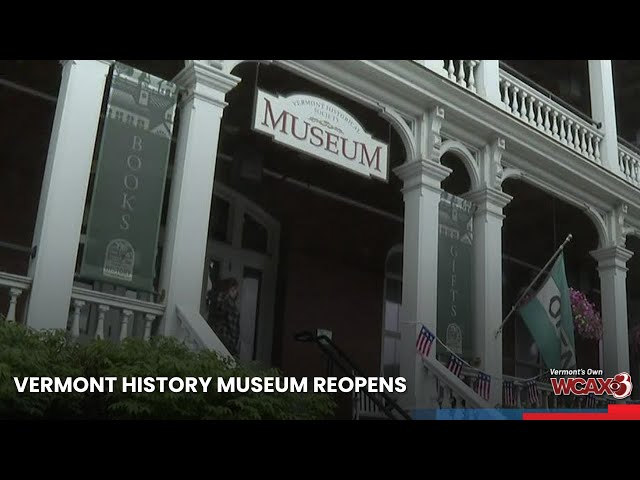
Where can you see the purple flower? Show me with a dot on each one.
(586, 318)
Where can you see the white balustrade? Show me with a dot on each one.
(535, 108)
(629, 163)
(447, 397)
(12, 288)
(456, 392)
(549, 117)
(113, 311)
(461, 72)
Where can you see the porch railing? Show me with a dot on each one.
(549, 117)
(15, 286)
(461, 72)
(194, 331)
(629, 163)
(103, 314)
(531, 104)
(452, 391)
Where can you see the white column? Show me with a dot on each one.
(421, 192)
(191, 188)
(612, 267)
(487, 305)
(488, 81)
(64, 190)
(603, 109)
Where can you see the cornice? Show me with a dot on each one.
(205, 82)
(614, 256)
(395, 82)
(422, 173)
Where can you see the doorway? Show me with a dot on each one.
(243, 244)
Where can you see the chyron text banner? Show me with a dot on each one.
(455, 274)
(126, 204)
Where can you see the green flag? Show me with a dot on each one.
(549, 319)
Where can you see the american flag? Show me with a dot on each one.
(425, 341)
(532, 391)
(482, 385)
(455, 365)
(509, 391)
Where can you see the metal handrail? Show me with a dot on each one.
(16, 247)
(331, 350)
(629, 145)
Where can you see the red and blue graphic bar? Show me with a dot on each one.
(614, 412)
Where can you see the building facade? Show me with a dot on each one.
(337, 227)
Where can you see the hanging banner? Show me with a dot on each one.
(455, 274)
(126, 205)
(321, 129)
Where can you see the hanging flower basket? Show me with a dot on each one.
(586, 318)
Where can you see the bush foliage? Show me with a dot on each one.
(26, 353)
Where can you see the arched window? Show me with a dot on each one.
(391, 313)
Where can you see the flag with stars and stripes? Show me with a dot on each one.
(532, 391)
(425, 341)
(455, 365)
(482, 385)
(509, 390)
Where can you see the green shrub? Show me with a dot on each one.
(26, 353)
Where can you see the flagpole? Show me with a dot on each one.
(517, 304)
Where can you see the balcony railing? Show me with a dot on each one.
(629, 163)
(534, 108)
(103, 315)
(15, 286)
(533, 105)
(461, 72)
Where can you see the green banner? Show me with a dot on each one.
(455, 274)
(126, 205)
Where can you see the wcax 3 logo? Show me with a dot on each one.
(618, 387)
